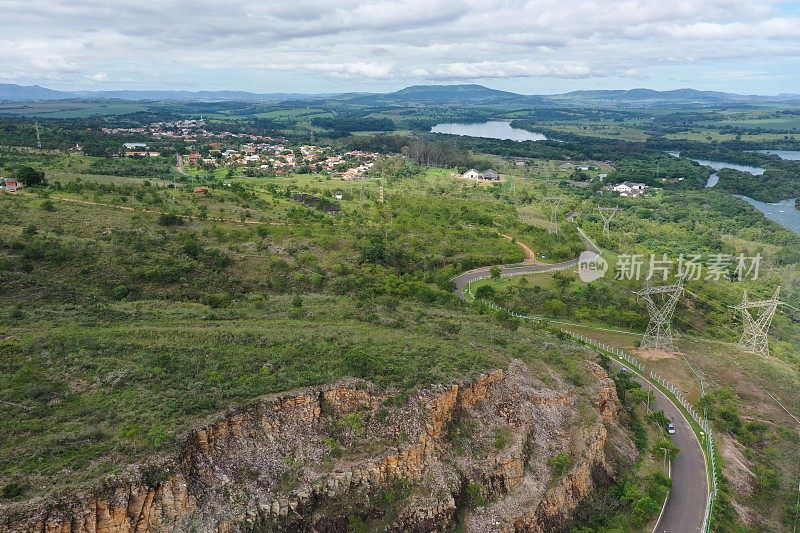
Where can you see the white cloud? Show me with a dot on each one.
(509, 69)
(54, 65)
(96, 41)
(353, 70)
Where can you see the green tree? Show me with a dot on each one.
(562, 281)
(664, 447)
(30, 176)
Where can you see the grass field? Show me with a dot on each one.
(717, 136)
(295, 113)
(70, 109)
(607, 130)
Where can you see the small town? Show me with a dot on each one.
(266, 159)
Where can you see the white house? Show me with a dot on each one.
(472, 174)
(629, 188)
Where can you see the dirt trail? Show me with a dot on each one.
(530, 255)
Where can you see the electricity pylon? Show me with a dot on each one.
(754, 337)
(607, 213)
(38, 136)
(659, 330)
(554, 203)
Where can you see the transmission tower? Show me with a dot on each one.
(754, 337)
(38, 136)
(554, 203)
(607, 213)
(659, 331)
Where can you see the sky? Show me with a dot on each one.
(324, 46)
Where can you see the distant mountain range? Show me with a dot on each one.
(416, 94)
(10, 92)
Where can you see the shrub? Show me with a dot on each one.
(502, 437)
(560, 463)
(474, 495)
(169, 219)
(119, 292)
(12, 490)
(643, 510)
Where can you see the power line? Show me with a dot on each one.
(659, 329)
(555, 202)
(607, 213)
(757, 316)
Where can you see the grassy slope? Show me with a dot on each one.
(103, 306)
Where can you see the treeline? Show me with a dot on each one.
(64, 134)
(346, 125)
(148, 167)
(772, 186)
(418, 150)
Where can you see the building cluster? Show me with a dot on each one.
(486, 175)
(138, 149)
(629, 188)
(189, 131)
(281, 158)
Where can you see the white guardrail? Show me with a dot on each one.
(706, 437)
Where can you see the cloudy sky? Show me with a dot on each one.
(529, 46)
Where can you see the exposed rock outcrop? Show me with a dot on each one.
(324, 458)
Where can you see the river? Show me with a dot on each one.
(718, 165)
(784, 212)
(495, 129)
(790, 155)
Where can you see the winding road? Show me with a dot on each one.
(685, 507)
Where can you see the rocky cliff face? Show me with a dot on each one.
(348, 455)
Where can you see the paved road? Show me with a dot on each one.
(528, 266)
(686, 504)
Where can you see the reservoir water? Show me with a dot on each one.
(784, 212)
(791, 155)
(719, 165)
(495, 129)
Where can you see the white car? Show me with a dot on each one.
(670, 429)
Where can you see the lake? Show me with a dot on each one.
(495, 129)
(784, 212)
(718, 165)
(791, 155)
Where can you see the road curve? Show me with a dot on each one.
(686, 504)
(526, 267)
